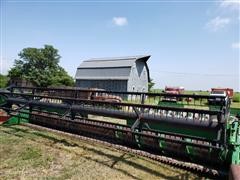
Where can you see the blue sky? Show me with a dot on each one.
(194, 44)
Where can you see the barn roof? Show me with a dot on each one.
(127, 61)
(115, 68)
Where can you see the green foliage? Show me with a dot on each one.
(236, 97)
(157, 90)
(41, 67)
(150, 85)
(3, 81)
(61, 78)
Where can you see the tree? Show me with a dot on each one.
(150, 85)
(3, 81)
(41, 67)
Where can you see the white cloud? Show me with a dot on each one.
(217, 23)
(233, 4)
(120, 21)
(236, 45)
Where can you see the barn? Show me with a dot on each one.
(114, 74)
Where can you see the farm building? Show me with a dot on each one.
(114, 74)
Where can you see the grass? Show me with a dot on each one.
(30, 154)
(236, 96)
(235, 105)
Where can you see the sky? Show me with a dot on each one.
(194, 44)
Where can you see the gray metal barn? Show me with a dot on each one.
(115, 74)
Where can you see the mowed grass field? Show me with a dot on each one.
(29, 154)
(235, 101)
(236, 97)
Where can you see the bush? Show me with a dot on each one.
(3, 81)
(236, 97)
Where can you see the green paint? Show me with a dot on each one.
(17, 120)
(228, 155)
(163, 146)
(169, 128)
(235, 111)
(2, 100)
(234, 141)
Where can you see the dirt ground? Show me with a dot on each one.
(29, 154)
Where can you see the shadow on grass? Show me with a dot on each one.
(15, 130)
(113, 158)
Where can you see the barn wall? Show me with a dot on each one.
(138, 80)
(110, 85)
(104, 73)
